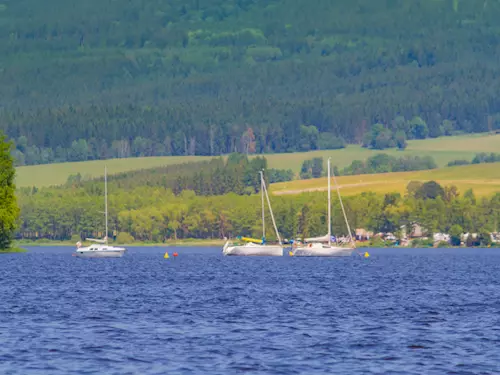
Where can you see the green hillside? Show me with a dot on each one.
(443, 150)
(98, 79)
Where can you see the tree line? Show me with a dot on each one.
(236, 174)
(482, 157)
(383, 163)
(154, 213)
(212, 77)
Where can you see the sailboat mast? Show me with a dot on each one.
(343, 211)
(329, 207)
(106, 202)
(262, 204)
(271, 212)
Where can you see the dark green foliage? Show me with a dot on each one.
(309, 138)
(379, 138)
(430, 190)
(422, 243)
(472, 241)
(456, 232)
(279, 175)
(317, 167)
(312, 168)
(305, 170)
(484, 157)
(485, 237)
(184, 77)
(418, 128)
(400, 139)
(454, 163)
(328, 141)
(9, 210)
(239, 175)
(383, 163)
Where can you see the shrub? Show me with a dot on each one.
(421, 243)
(125, 238)
(377, 242)
(454, 163)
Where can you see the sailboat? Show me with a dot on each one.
(322, 246)
(254, 247)
(100, 249)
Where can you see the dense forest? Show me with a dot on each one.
(99, 79)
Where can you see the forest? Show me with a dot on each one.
(97, 79)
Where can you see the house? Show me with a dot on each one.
(441, 237)
(417, 231)
(495, 237)
(363, 235)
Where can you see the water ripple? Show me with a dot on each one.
(402, 311)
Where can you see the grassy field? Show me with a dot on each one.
(442, 149)
(483, 178)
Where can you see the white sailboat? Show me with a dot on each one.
(322, 246)
(257, 247)
(100, 249)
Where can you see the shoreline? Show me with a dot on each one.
(13, 250)
(179, 243)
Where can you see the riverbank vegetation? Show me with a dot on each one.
(155, 214)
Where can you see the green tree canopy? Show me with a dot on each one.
(9, 210)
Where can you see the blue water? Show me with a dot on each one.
(401, 311)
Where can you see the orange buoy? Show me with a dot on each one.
(175, 254)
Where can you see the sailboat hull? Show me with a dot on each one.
(253, 250)
(99, 253)
(323, 251)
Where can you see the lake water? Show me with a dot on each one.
(401, 311)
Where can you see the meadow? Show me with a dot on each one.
(484, 179)
(443, 150)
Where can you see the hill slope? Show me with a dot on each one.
(189, 77)
(484, 179)
(443, 150)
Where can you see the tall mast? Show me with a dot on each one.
(106, 201)
(271, 212)
(262, 204)
(343, 211)
(329, 207)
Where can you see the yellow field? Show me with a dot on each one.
(483, 178)
(443, 150)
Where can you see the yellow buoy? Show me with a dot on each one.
(367, 254)
(290, 253)
(166, 255)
